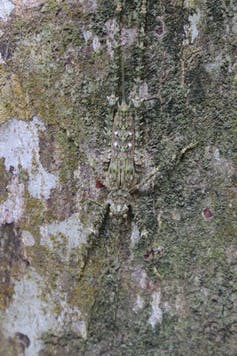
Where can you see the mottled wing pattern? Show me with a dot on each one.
(121, 173)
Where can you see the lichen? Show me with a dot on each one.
(3, 182)
(186, 224)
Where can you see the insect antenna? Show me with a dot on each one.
(122, 74)
(121, 46)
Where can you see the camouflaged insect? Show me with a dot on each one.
(121, 175)
(122, 178)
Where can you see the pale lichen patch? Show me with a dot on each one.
(194, 21)
(72, 315)
(111, 27)
(96, 44)
(27, 3)
(156, 314)
(87, 35)
(28, 314)
(71, 228)
(19, 146)
(27, 238)
(135, 235)
(6, 7)
(141, 278)
(213, 67)
(1, 59)
(12, 209)
(128, 36)
(33, 316)
(222, 165)
(139, 304)
(88, 5)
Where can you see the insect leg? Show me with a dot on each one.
(175, 160)
(97, 223)
(98, 219)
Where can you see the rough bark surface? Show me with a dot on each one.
(165, 283)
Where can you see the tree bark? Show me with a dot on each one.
(74, 280)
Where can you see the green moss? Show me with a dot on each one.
(60, 78)
(3, 182)
(35, 213)
(14, 103)
(70, 157)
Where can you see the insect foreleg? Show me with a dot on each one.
(137, 187)
(175, 160)
(98, 218)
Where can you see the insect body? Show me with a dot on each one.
(121, 175)
(121, 179)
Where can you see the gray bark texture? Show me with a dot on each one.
(75, 281)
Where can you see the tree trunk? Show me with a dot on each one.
(74, 280)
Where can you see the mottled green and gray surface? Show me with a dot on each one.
(166, 283)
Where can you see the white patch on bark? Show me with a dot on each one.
(143, 91)
(217, 154)
(156, 314)
(28, 314)
(128, 36)
(87, 35)
(222, 165)
(96, 43)
(215, 66)
(71, 228)
(111, 27)
(72, 316)
(32, 316)
(194, 21)
(11, 210)
(29, 3)
(143, 280)
(27, 238)
(1, 59)
(88, 5)
(6, 8)
(19, 146)
(139, 304)
(135, 236)
(166, 307)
